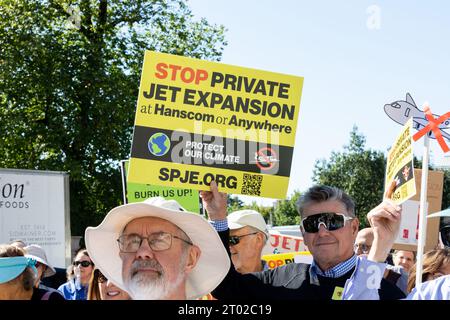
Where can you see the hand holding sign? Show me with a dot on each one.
(214, 202)
(385, 222)
(390, 190)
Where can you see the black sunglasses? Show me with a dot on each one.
(234, 240)
(84, 264)
(330, 220)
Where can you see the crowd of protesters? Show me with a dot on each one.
(157, 250)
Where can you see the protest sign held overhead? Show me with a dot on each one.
(400, 168)
(138, 192)
(198, 121)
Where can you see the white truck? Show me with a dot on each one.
(34, 207)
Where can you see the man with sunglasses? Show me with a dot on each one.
(155, 250)
(248, 236)
(329, 228)
(363, 241)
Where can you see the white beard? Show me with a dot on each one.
(141, 286)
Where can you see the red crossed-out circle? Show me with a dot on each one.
(266, 158)
(433, 125)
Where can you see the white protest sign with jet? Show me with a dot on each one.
(402, 110)
(428, 125)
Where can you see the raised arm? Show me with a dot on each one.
(385, 222)
(215, 203)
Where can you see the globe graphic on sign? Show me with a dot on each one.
(159, 144)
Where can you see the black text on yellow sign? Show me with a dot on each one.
(243, 120)
(177, 91)
(400, 167)
(199, 177)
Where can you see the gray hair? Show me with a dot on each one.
(322, 193)
(253, 229)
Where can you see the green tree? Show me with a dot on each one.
(358, 171)
(285, 211)
(69, 77)
(234, 204)
(266, 212)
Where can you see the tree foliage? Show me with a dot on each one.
(69, 77)
(234, 203)
(357, 171)
(285, 212)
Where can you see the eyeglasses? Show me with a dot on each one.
(234, 240)
(158, 241)
(330, 220)
(84, 263)
(362, 248)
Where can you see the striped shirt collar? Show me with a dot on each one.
(335, 272)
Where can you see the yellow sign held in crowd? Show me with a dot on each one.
(198, 121)
(400, 168)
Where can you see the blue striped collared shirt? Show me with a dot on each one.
(337, 271)
(219, 225)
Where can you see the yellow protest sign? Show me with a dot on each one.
(400, 168)
(280, 259)
(198, 121)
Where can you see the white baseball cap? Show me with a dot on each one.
(244, 218)
(211, 268)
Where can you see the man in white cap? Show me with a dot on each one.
(157, 250)
(248, 236)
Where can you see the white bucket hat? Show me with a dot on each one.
(211, 268)
(244, 218)
(36, 252)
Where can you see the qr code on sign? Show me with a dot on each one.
(252, 184)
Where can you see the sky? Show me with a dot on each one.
(355, 56)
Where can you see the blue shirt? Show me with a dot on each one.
(73, 290)
(365, 280)
(335, 272)
(365, 283)
(437, 289)
(219, 225)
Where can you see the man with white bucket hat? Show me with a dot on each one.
(182, 256)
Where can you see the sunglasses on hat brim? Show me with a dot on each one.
(330, 220)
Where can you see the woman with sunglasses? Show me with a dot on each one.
(100, 288)
(76, 287)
